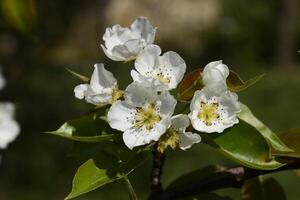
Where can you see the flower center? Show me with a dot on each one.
(162, 78)
(146, 116)
(116, 94)
(170, 138)
(208, 112)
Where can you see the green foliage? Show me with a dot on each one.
(274, 141)
(87, 178)
(81, 77)
(236, 84)
(88, 128)
(114, 162)
(20, 15)
(245, 145)
(67, 131)
(262, 188)
(193, 82)
(292, 139)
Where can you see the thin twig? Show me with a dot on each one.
(158, 162)
(230, 178)
(131, 190)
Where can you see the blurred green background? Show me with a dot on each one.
(39, 39)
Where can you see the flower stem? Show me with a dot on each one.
(158, 162)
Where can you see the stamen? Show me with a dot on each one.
(208, 113)
(146, 116)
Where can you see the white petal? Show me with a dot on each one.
(80, 90)
(9, 128)
(101, 78)
(188, 139)
(180, 122)
(174, 66)
(99, 99)
(120, 116)
(144, 27)
(228, 107)
(138, 95)
(124, 44)
(140, 136)
(134, 46)
(111, 56)
(214, 74)
(147, 59)
(167, 103)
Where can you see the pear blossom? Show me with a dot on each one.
(124, 44)
(214, 75)
(102, 90)
(143, 116)
(163, 72)
(9, 128)
(212, 111)
(186, 139)
(176, 136)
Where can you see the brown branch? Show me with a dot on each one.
(158, 162)
(230, 178)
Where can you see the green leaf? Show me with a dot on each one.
(245, 145)
(262, 188)
(236, 84)
(20, 15)
(66, 131)
(193, 82)
(88, 128)
(88, 178)
(277, 145)
(81, 77)
(292, 139)
(195, 175)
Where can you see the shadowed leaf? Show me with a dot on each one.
(277, 145)
(236, 84)
(20, 15)
(292, 139)
(193, 82)
(243, 144)
(262, 188)
(190, 83)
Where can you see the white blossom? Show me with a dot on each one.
(215, 75)
(143, 116)
(102, 90)
(161, 72)
(212, 111)
(124, 44)
(186, 139)
(9, 128)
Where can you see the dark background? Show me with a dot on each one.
(39, 39)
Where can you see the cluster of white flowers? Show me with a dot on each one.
(144, 111)
(9, 128)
